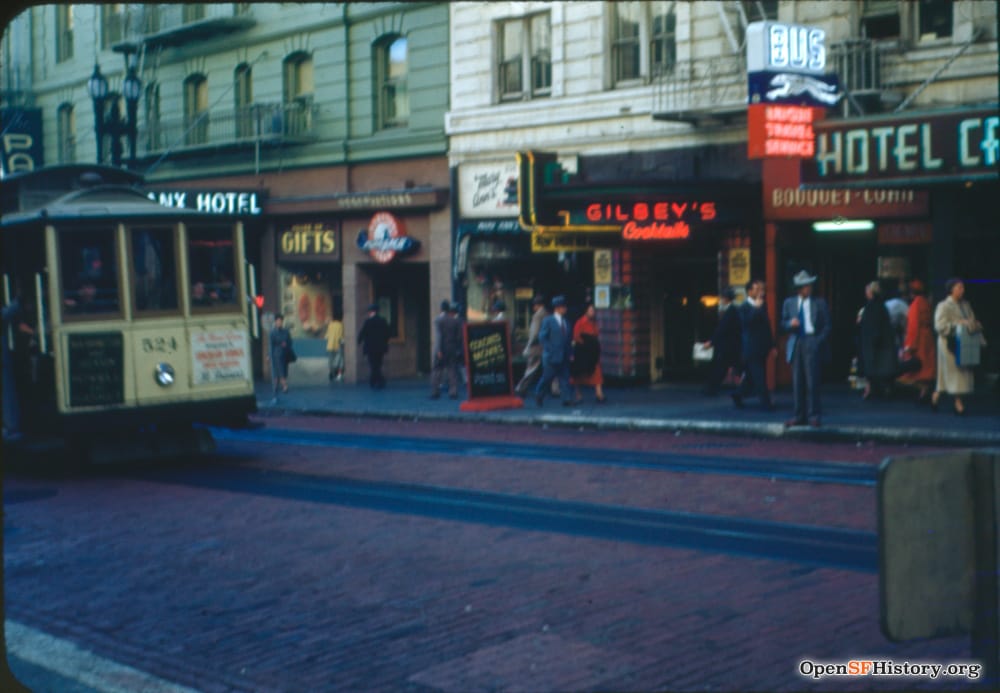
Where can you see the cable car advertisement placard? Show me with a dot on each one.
(96, 367)
(219, 356)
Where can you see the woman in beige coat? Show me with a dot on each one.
(949, 314)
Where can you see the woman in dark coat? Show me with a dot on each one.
(878, 343)
(281, 349)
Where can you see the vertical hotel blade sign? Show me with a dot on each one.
(788, 89)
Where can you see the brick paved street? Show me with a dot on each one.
(243, 590)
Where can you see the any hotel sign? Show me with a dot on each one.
(954, 146)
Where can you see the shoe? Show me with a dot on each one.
(794, 422)
(814, 422)
(539, 400)
(435, 396)
(569, 403)
(768, 407)
(737, 400)
(959, 412)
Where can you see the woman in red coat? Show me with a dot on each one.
(586, 367)
(920, 341)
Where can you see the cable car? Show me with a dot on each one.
(126, 323)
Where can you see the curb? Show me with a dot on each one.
(918, 436)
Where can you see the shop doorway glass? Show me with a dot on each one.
(684, 311)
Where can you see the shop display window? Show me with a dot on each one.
(309, 300)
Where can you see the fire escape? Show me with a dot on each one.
(150, 30)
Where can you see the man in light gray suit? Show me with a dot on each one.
(806, 319)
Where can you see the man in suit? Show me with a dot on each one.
(374, 336)
(725, 343)
(758, 343)
(533, 349)
(806, 319)
(448, 350)
(556, 339)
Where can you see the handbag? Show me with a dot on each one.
(968, 349)
(909, 365)
(290, 355)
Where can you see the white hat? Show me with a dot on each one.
(803, 278)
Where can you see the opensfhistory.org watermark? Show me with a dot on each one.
(889, 668)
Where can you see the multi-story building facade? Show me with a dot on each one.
(321, 124)
(645, 102)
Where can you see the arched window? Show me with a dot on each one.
(196, 109)
(154, 129)
(243, 100)
(298, 92)
(67, 134)
(391, 68)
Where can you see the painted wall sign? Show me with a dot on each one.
(785, 199)
(739, 266)
(775, 131)
(219, 356)
(96, 369)
(309, 242)
(785, 47)
(239, 202)
(947, 146)
(488, 190)
(21, 140)
(602, 267)
(905, 232)
(385, 237)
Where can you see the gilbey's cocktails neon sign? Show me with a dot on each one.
(653, 220)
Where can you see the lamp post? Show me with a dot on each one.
(112, 125)
(97, 87)
(131, 88)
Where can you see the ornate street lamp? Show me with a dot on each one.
(132, 89)
(97, 87)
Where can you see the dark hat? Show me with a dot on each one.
(538, 300)
(446, 305)
(499, 305)
(455, 307)
(729, 294)
(558, 301)
(373, 307)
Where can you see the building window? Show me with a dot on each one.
(154, 130)
(935, 18)
(391, 67)
(67, 134)
(760, 10)
(643, 40)
(524, 57)
(880, 19)
(298, 92)
(112, 24)
(625, 41)
(196, 109)
(193, 12)
(64, 32)
(243, 100)
(663, 45)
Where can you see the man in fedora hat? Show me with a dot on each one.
(374, 336)
(556, 338)
(806, 319)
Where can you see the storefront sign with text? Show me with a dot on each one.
(317, 242)
(950, 146)
(653, 220)
(775, 131)
(385, 237)
(238, 202)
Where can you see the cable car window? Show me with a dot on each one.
(155, 267)
(211, 264)
(89, 272)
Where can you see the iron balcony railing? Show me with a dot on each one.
(260, 122)
(695, 89)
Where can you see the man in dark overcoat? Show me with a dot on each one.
(448, 350)
(374, 338)
(556, 338)
(806, 319)
(758, 343)
(726, 343)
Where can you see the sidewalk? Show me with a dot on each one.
(664, 407)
